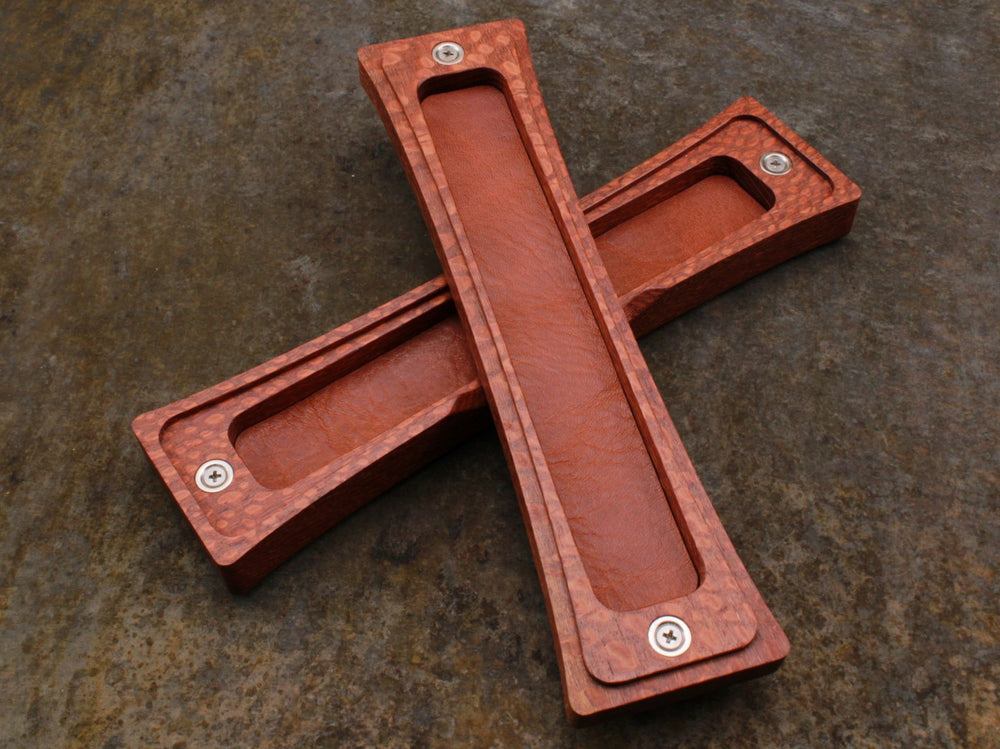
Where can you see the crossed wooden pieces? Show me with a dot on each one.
(648, 599)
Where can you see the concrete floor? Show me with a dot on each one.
(190, 188)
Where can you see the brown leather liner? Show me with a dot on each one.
(697, 217)
(621, 522)
(357, 407)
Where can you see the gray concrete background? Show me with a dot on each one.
(190, 188)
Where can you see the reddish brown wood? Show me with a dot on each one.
(621, 529)
(278, 423)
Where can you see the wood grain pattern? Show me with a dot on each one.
(561, 369)
(250, 529)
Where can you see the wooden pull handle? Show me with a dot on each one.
(624, 537)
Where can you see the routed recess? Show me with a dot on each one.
(675, 229)
(358, 406)
(618, 512)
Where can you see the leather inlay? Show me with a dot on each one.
(621, 522)
(358, 407)
(638, 249)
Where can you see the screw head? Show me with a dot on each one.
(776, 163)
(448, 53)
(669, 636)
(214, 476)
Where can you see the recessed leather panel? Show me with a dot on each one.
(618, 513)
(357, 407)
(670, 231)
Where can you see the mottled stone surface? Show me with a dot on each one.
(189, 188)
